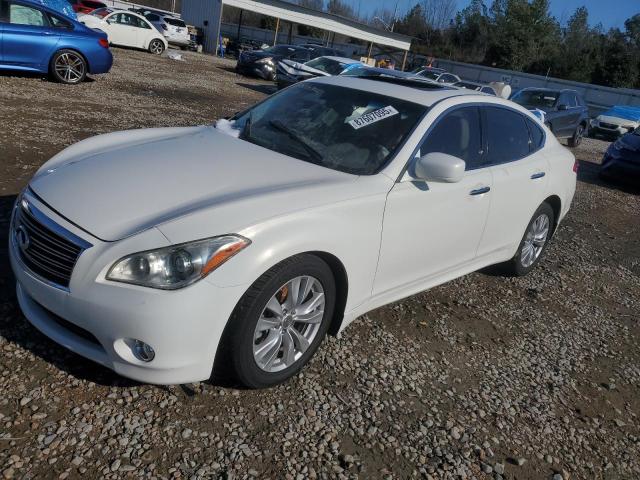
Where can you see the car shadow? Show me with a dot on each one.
(260, 88)
(36, 76)
(589, 172)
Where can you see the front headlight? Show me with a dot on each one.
(265, 60)
(177, 266)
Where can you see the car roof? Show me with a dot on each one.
(405, 91)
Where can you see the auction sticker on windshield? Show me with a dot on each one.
(373, 117)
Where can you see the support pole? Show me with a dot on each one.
(275, 37)
(369, 54)
(404, 60)
(240, 23)
(290, 33)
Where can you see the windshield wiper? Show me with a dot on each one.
(313, 153)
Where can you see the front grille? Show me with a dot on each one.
(45, 252)
(608, 125)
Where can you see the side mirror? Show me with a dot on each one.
(439, 167)
(562, 107)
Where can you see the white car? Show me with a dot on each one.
(126, 29)
(328, 199)
(616, 121)
(437, 75)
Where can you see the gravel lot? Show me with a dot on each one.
(484, 377)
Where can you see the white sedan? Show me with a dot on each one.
(126, 29)
(331, 198)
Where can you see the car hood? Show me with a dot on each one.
(631, 142)
(116, 185)
(617, 121)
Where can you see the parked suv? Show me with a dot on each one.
(564, 111)
(173, 29)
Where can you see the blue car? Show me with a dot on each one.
(35, 38)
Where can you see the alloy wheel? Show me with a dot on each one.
(69, 67)
(156, 47)
(535, 240)
(288, 324)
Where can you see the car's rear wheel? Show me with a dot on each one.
(576, 139)
(68, 66)
(534, 242)
(279, 322)
(156, 46)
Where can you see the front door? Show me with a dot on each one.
(432, 227)
(28, 39)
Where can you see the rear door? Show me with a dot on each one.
(520, 173)
(28, 39)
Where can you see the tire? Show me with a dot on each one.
(254, 355)
(156, 46)
(521, 264)
(68, 66)
(576, 138)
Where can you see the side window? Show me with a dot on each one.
(58, 22)
(301, 56)
(23, 15)
(537, 136)
(574, 100)
(140, 23)
(507, 135)
(564, 100)
(153, 17)
(458, 133)
(4, 11)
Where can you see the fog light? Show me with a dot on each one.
(143, 352)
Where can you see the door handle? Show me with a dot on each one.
(537, 175)
(479, 191)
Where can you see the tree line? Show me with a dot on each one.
(519, 35)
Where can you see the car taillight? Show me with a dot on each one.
(103, 42)
(575, 166)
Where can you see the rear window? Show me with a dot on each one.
(175, 22)
(92, 4)
(537, 136)
(507, 135)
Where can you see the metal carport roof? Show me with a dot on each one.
(326, 21)
(207, 14)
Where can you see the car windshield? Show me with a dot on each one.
(536, 98)
(429, 74)
(280, 50)
(332, 67)
(101, 12)
(344, 129)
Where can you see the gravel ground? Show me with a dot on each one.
(484, 377)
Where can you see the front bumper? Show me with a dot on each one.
(99, 319)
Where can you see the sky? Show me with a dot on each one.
(611, 13)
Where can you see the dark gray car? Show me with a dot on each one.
(565, 112)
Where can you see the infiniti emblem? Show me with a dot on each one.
(22, 237)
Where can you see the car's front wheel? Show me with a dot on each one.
(534, 241)
(279, 322)
(156, 47)
(68, 66)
